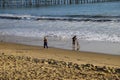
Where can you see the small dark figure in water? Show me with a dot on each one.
(45, 42)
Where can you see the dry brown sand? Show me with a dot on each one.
(94, 59)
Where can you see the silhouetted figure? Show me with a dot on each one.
(45, 42)
(75, 43)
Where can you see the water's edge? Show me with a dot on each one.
(87, 46)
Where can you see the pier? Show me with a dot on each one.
(38, 3)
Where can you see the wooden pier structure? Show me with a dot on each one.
(38, 3)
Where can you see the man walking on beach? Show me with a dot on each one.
(45, 42)
(75, 43)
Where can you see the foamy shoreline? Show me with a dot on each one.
(111, 48)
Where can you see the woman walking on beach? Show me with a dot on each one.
(45, 42)
(75, 43)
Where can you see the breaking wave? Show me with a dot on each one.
(92, 18)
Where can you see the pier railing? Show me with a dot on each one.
(38, 3)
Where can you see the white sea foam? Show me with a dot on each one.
(62, 30)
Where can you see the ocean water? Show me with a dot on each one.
(103, 9)
(90, 22)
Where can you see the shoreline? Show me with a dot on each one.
(79, 57)
(100, 47)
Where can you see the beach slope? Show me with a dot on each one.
(27, 62)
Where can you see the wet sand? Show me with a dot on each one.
(101, 47)
(60, 54)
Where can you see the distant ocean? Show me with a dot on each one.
(90, 22)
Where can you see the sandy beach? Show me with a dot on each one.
(108, 66)
(22, 31)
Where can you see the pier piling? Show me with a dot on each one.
(38, 3)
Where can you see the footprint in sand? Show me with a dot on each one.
(19, 52)
(79, 59)
(66, 57)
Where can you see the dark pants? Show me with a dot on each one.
(45, 45)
